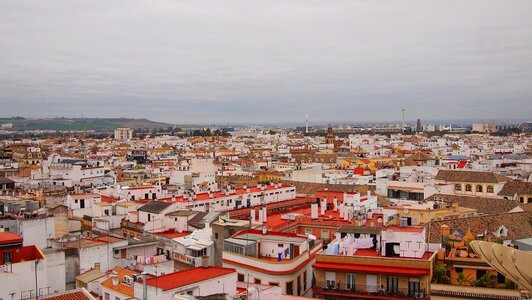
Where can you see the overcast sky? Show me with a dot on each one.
(226, 61)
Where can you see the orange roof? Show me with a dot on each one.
(9, 238)
(186, 277)
(121, 287)
(108, 199)
(70, 295)
(172, 234)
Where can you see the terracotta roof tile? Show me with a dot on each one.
(470, 176)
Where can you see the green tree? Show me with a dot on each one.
(440, 273)
(462, 279)
(510, 284)
(485, 280)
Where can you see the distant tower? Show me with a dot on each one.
(403, 127)
(418, 126)
(330, 135)
(306, 123)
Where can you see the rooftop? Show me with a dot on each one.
(178, 279)
(9, 238)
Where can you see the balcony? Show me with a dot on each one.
(342, 289)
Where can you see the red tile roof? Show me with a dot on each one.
(71, 295)
(121, 287)
(9, 238)
(186, 277)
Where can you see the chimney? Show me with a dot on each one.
(264, 230)
(369, 193)
(205, 261)
(445, 231)
(324, 205)
(335, 203)
(115, 279)
(314, 210)
(341, 210)
(97, 266)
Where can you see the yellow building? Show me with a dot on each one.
(477, 183)
(517, 190)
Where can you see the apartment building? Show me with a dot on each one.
(375, 262)
(272, 258)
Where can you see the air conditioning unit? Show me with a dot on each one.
(419, 296)
(128, 280)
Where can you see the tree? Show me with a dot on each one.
(207, 132)
(462, 279)
(440, 273)
(510, 284)
(486, 280)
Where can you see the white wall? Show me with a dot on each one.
(37, 231)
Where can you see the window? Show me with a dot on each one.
(305, 281)
(393, 285)
(457, 187)
(274, 283)
(468, 188)
(522, 199)
(479, 189)
(8, 257)
(280, 245)
(240, 277)
(350, 280)
(330, 278)
(325, 234)
(290, 288)
(117, 298)
(413, 287)
(257, 280)
(459, 270)
(107, 296)
(308, 230)
(490, 188)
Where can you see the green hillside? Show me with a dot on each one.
(65, 124)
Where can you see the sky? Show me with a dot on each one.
(266, 61)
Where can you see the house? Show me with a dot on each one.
(24, 269)
(197, 282)
(119, 285)
(517, 190)
(375, 262)
(77, 294)
(477, 183)
(272, 258)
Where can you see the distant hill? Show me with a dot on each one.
(66, 124)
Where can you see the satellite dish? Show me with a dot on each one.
(405, 211)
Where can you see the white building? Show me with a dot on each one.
(123, 134)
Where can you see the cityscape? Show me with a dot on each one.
(284, 150)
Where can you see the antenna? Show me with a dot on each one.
(403, 127)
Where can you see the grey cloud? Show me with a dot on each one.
(227, 61)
